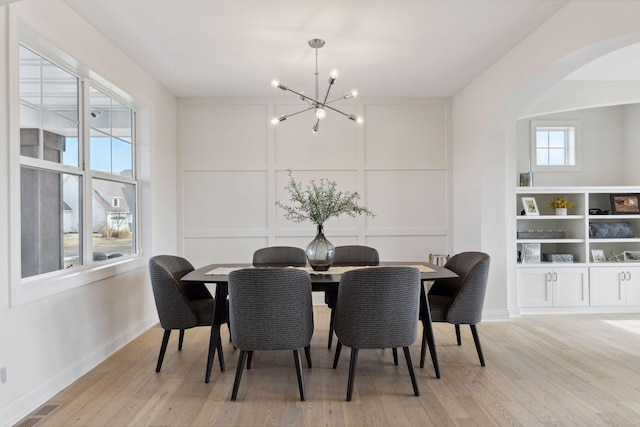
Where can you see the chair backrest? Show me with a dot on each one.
(270, 309)
(355, 255)
(468, 289)
(280, 256)
(378, 307)
(171, 295)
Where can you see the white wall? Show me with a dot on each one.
(632, 144)
(49, 343)
(602, 147)
(484, 117)
(234, 168)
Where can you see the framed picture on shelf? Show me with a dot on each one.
(598, 255)
(530, 253)
(625, 204)
(530, 206)
(631, 255)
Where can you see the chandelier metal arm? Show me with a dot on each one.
(315, 103)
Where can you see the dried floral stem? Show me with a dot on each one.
(319, 201)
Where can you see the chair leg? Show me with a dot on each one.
(337, 356)
(298, 361)
(330, 329)
(181, 339)
(352, 372)
(395, 356)
(220, 355)
(412, 374)
(458, 334)
(249, 359)
(236, 384)
(476, 339)
(307, 353)
(163, 348)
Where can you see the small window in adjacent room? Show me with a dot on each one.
(555, 145)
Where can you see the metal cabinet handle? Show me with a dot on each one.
(622, 276)
(555, 277)
(628, 275)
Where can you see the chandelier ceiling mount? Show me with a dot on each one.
(320, 106)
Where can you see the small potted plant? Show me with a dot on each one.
(561, 204)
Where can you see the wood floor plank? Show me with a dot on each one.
(551, 370)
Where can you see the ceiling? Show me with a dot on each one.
(407, 48)
(410, 48)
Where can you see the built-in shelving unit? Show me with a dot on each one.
(587, 280)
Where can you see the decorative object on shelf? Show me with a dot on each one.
(319, 106)
(598, 255)
(561, 204)
(526, 179)
(615, 257)
(631, 255)
(530, 253)
(541, 234)
(611, 230)
(530, 206)
(558, 257)
(597, 211)
(317, 202)
(625, 204)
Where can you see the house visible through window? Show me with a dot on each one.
(554, 146)
(77, 175)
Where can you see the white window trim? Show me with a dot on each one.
(25, 290)
(576, 124)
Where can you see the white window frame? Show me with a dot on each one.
(562, 124)
(24, 290)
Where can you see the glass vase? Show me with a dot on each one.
(320, 251)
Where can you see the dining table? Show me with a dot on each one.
(218, 274)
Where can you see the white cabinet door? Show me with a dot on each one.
(632, 285)
(570, 287)
(607, 286)
(553, 287)
(534, 287)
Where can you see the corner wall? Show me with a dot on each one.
(484, 117)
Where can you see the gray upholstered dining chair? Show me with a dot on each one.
(459, 301)
(377, 308)
(270, 309)
(180, 305)
(279, 256)
(345, 256)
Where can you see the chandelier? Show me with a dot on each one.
(315, 103)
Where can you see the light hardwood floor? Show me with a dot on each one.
(571, 370)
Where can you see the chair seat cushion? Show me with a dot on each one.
(439, 305)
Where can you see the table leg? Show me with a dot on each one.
(218, 312)
(428, 332)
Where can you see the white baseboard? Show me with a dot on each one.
(16, 410)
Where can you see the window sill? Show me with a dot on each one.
(33, 288)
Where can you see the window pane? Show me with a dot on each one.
(556, 157)
(65, 133)
(542, 157)
(59, 91)
(557, 139)
(542, 139)
(30, 77)
(100, 157)
(121, 117)
(113, 219)
(121, 157)
(100, 111)
(50, 221)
